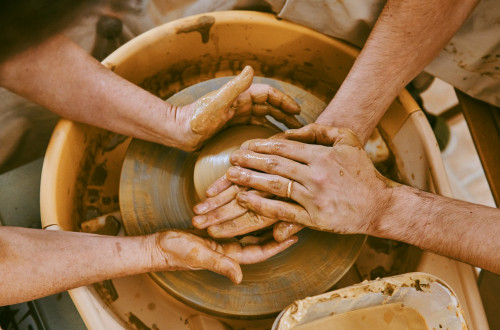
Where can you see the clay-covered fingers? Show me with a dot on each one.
(226, 212)
(219, 263)
(262, 100)
(221, 198)
(257, 239)
(262, 110)
(180, 250)
(270, 163)
(275, 209)
(282, 230)
(290, 150)
(270, 183)
(246, 223)
(218, 186)
(262, 93)
(323, 135)
(212, 111)
(251, 254)
(263, 121)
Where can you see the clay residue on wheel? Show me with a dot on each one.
(185, 73)
(201, 25)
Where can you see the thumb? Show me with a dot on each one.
(282, 230)
(223, 265)
(233, 88)
(214, 106)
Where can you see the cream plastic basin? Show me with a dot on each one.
(82, 165)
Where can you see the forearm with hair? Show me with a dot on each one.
(453, 228)
(63, 78)
(406, 37)
(36, 263)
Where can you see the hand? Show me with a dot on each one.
(177, 250)
(337, 188)
(237, 102)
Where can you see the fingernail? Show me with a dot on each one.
(236, 155)
(244, 146)
(242, 197)
(238, 276)
(200, 208)
(232, 172)
(213, 230)
(210, 191)
(199, 220)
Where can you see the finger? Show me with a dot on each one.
(242, 225)
(280, 135)
(218, 186)
(273, 184)
(266, 109)
(221, 264)
(261, 238)
(219, 200)
(212, 110)
(324, 135)
(227, 212)
(275, 209)
(282, 230)
(268, 163)
(233, 88)
(263, 121)
(293, 150)
(262, 93)
(257, 253)
(314, 134)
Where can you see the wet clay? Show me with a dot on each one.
(211, 107)
(157, 192)
(202, 25)
(384, 317)
(185, 73)
(213, 160)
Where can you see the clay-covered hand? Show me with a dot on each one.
(334, 185)
(178, 250)
(237, 102)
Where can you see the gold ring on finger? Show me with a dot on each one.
(289, 189)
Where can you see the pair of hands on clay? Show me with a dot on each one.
(179, 250)
(334, 186)
(237, 102)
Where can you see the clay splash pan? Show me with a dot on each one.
(409, 301)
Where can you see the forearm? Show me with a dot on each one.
(63, 78)
(35, 263)
(406, 37)
(457, 229)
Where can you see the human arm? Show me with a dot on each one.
(35, 263)
(63, 78)
(407, 36)
(336, 188)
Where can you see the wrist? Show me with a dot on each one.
(348, 115)
(396, 219)
(153, 254)
(169, 131)
(159, 253)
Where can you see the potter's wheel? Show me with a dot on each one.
(157, 192)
